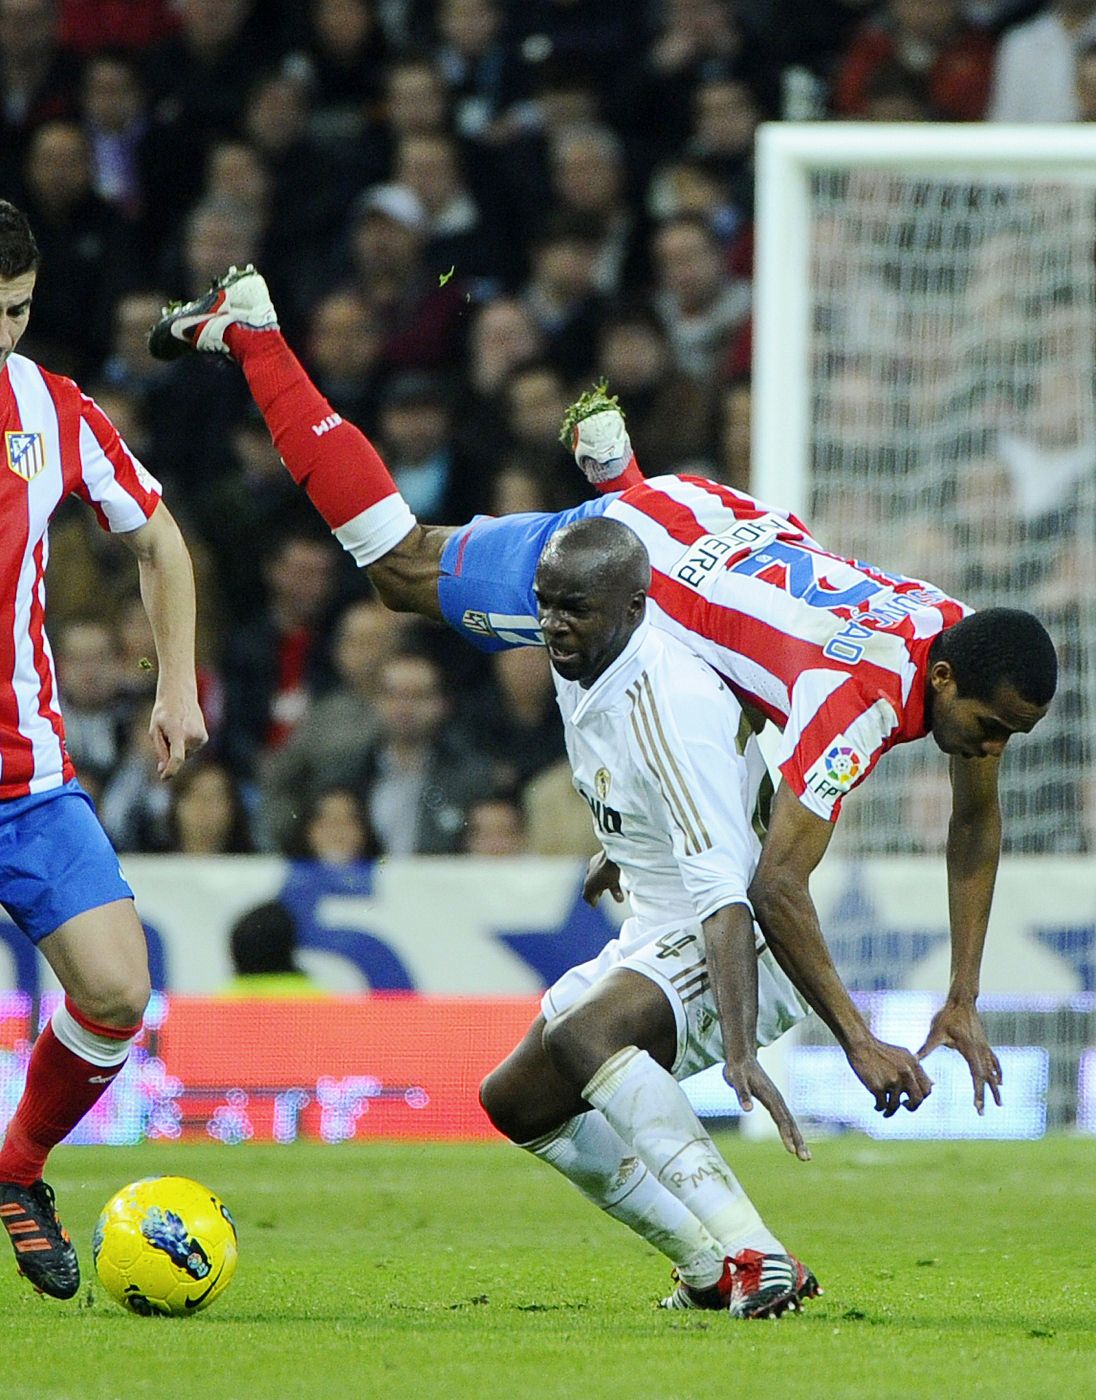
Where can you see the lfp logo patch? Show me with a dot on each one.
(843, 765)
(26, 454)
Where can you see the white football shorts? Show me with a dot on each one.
(677, 963)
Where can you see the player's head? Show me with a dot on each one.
(990, 676)
(591, 587)
(18, 271)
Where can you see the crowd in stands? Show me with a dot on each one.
(466, 211)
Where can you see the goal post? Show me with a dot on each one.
(924, 370)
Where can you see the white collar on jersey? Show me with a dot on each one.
(615, 680)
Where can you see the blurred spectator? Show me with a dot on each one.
(496, 826)
(562, 294)
(112, 107)
(516, 488)
(736, 430)
(931, 43)
(92, 26)
(1086, 84)
(341, 724)
(457, 235)
(38, 80)
(415, 432)
(87, 252)
(263, 946)
(523, 736)
(333, 828)
(503, 335)
(533, 404)
(1035, 77)
(699, 39)
(236, 173)
(671, 417)
(700, 305)
(388, 232)
(276, 123)
(725, 118)
(483, 74)
(88, 675)
(133, 803)
(557, 819)
(419, 775)
(271, 666)
(343, 349)
(590, 179)
(345, 57)
(206, 814)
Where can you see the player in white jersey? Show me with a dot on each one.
(654, 742)
(59, 877)
(847, 659)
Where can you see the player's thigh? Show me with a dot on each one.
(624, 1007)
(100, 957)
(407, 576)
(525, 1096)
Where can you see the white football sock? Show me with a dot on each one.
(606, 1170)
(648, 1108)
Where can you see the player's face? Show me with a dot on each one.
(585, 628)
(15, 297)
(972, 728)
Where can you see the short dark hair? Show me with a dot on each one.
(1000, 646)
(18, 250)
(264, 940)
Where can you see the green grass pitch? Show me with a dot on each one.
(376, 1269)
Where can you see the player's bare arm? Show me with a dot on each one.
(406, 578)
(732, 967)
(167, 591)
(796, 841)
(973, 851)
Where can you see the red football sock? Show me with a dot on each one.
(61, 1087)
(333, 460)
(630, 476)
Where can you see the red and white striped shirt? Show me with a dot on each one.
(55, 441)
(833, 651)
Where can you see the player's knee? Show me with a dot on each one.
(117, 1003)
(503, 1105)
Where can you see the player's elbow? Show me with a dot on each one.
(776, 895)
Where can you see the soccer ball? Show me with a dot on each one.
(164, 1245)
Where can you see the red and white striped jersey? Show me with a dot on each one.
(55, 441)
(832, 650)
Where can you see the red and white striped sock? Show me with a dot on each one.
(72, 1065)
(339, 468)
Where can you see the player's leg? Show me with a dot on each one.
(627, 1039)
(531, 1103)
(86, 927)
(333, 461)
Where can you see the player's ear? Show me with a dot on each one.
(941, 674)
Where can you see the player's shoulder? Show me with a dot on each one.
(678, 673)
(29, 374)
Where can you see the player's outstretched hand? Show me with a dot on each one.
(749, 1081)
(602, 875)
(891, 1075)
(176, 729)
(959, 1027)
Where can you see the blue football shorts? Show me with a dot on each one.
(56, 861)
(486, 583)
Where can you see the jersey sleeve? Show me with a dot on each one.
(112, 481)
(834, 737)
(686, 743)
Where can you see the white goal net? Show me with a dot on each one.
(932, 316)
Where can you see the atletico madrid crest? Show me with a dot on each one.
(26, 454)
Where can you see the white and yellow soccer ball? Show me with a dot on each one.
(165, 1245)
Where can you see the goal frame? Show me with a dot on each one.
(788, 153)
